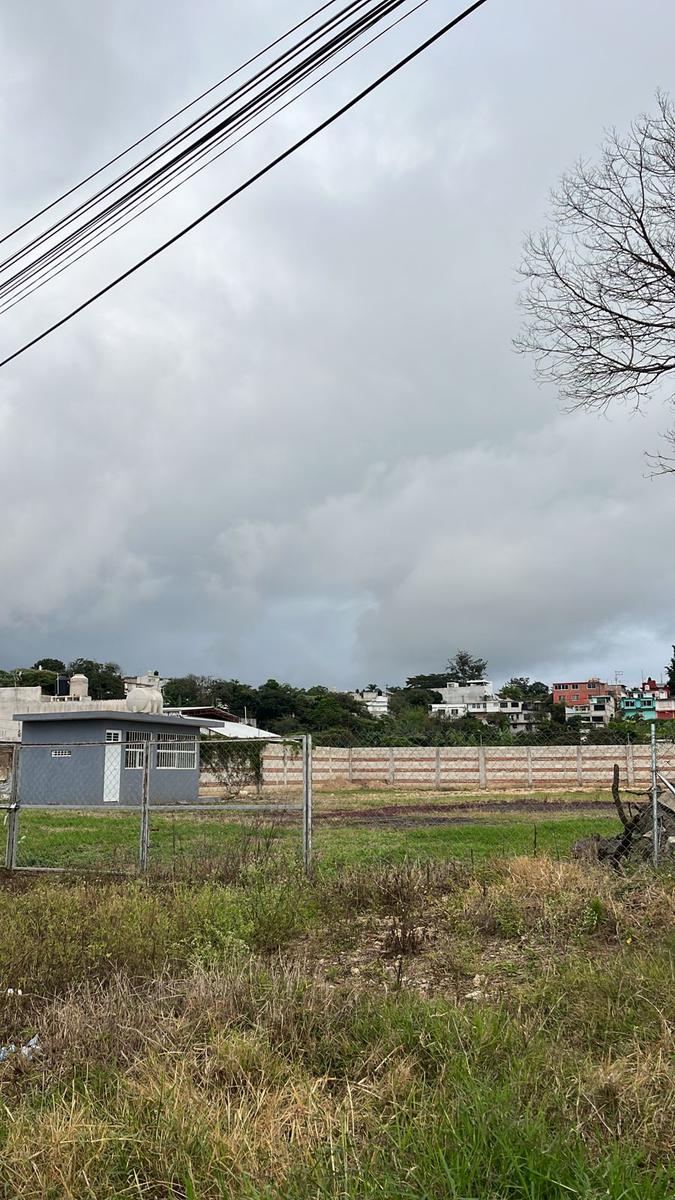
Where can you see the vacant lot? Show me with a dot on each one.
(351, 826)
(502, 1030)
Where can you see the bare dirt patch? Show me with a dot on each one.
(460, 814)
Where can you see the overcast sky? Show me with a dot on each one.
(300, 444)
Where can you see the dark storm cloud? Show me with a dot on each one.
(300, 444)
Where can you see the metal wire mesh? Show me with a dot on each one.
(187, 804)
(166, 801)
(467, 801)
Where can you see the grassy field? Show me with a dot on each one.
(351, 827)
(501, 1032)
(435, 1013)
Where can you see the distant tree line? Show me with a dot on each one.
(338, 719)
(105, 679)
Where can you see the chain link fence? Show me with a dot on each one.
(170, 802)
(176, 804)
(473, 802)
(663, 797)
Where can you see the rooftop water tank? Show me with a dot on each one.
(79, 687)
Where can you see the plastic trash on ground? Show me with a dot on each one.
(31, 1048)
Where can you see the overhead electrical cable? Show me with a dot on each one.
(163, 124)
(263, 171)
(48, 273)
(374, 13)
(184, 160)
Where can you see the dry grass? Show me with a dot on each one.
(366, 796)
(564, 900)
(351, 1052)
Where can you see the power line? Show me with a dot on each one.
(139, 142)
(182, 134)
(117, 224)
(303, 141)
(274, 90)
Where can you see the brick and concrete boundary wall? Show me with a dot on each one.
(462, 768)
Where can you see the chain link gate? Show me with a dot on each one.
(169, 803)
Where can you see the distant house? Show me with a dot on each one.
(376, 701)
(520, 714)
(650, 702)
(96, 759)
(598, 710)
(580, 693)
(637, 703)
(475, 698)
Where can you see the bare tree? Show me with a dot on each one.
(600, 295)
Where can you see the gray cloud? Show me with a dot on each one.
(300, 444)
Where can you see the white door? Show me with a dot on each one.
(112, 767)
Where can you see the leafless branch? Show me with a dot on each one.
(599, 299)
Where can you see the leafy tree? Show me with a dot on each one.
(29, 677)
(337, 735)
(515, 688)
(520, 688)
(185, 690)
(105, 679)
(35, 678)
(620, 729)
(459, 669)
(50, 664)
(670, 674)
(401, 699)
(275, 700)
(600, 281)
(437, 680)
(464, 666)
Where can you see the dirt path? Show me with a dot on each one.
(459, 814)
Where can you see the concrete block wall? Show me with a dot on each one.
(462, 768)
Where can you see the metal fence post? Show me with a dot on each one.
(307, 802)
(655, 799)
(13, 814)
(145, 810)
(12, 837)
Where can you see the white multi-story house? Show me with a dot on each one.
(475, 698)
(376, 702)
(520, 714)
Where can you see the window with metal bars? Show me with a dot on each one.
(135, 748)
(176, 752)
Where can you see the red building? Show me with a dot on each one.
(583, 692)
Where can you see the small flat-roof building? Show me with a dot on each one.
(96, 759)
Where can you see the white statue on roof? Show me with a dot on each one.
(146, 695)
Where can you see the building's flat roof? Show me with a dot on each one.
(217, 711)
(113, 714)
